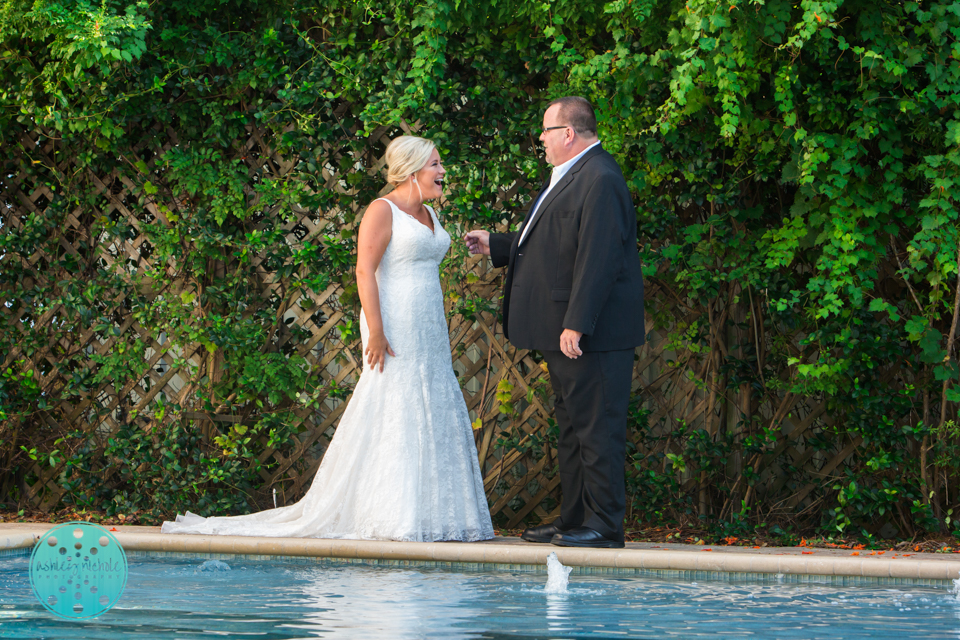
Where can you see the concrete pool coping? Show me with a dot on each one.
(784, 561)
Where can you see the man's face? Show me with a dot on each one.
(554, 140)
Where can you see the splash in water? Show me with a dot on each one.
(956, 588)
(214, 565)
(557, 575)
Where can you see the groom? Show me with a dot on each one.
(574, 292)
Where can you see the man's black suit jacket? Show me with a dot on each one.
(578, 268)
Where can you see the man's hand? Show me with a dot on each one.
(570, 343)
(478, 242)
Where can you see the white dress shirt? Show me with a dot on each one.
(558, 172)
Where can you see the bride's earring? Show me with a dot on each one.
(414, 178)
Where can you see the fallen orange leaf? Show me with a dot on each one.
(855, 553)
(708, 549)
(756, 547)
(806, 553)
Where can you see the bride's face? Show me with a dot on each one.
(430, 178)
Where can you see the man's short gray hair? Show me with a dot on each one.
(577, 113)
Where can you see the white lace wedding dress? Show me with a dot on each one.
(402, 464)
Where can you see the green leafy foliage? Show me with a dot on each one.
(795, 165)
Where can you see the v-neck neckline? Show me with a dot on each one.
(432, 231)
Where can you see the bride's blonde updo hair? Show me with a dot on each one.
(405, 156)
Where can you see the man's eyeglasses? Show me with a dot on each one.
(561, 126)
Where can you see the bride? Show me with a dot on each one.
(402, 464)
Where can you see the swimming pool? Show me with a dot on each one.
(170, 597)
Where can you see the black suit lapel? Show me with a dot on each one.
(526, 219)
(560, 186)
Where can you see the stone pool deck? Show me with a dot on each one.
(788, 561)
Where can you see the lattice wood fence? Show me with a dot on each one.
(679, 386)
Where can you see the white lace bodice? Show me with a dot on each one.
(411, 298)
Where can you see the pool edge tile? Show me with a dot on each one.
(572, 556)
(938, 571)
(707, 561)
(687, 562)
(792, 565)
(905, 569)
(763, 564)
(821, 567)
(850, 567)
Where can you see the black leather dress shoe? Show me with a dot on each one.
(584, 537)
(543, 533)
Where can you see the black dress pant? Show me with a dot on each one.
(592, 397)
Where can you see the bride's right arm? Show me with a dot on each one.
(372, 240)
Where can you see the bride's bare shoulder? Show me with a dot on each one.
(378, 213)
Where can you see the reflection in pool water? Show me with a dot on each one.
(393, 604)
(184, 599)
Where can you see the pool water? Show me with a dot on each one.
(239, 598)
